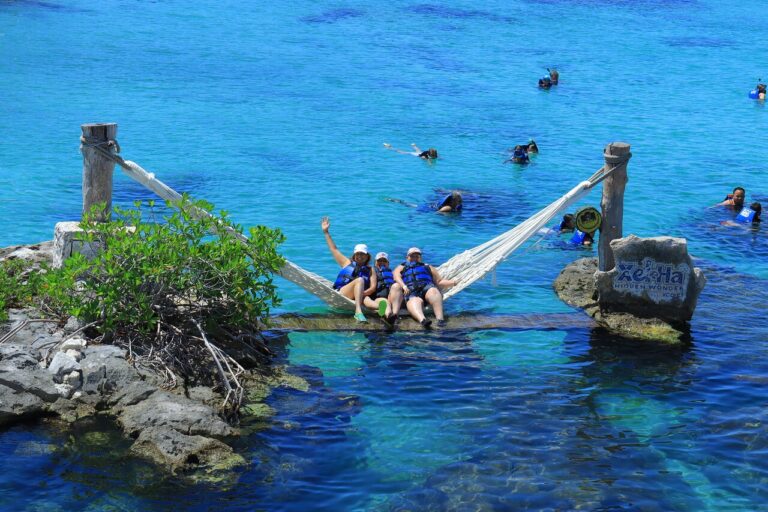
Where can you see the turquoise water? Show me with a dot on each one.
(278, 114)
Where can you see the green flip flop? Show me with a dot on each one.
(382, 308)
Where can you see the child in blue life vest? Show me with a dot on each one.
(356, 279)
(519, 155)
(452, 203)
(386, 290)
(747, 216)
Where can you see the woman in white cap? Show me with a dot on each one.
(356, 280)
(420, 282)
(386, 290)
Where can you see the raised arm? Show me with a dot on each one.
(342, 260)
(389, 146)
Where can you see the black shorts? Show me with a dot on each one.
(383, 294)
(419, 292)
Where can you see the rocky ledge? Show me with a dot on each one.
(55, 371)
(576, 286)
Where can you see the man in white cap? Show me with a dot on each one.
(420, 282)
(356, 280)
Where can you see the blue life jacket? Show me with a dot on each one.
(416, 275)
(520, 154)
(352, 272)
(754, 94)
(746, 215)
(384, 278)
(578, 237)
(446, 201)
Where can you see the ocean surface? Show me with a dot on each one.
(277, 112)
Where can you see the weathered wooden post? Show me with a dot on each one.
(612, 204)
(97, 169)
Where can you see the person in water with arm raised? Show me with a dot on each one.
(735, 200)
(420, 282)
(356, 279)
(429, 154)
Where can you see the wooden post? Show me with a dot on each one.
(612, 204)
(97, 170)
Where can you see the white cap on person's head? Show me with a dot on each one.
(382, 256)
(361, 248)
(413, 250)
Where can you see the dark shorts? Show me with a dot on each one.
(419, 292)
(383, 294)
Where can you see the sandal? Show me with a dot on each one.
(382, 308)
(361, 318)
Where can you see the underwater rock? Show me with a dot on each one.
(180, 451)
(575, 285)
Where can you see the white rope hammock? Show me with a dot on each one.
(465, 268)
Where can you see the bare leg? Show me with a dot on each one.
(395, 299)
(354, 291)
(435, 299)
(416, 308)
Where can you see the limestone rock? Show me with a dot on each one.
(653, 278)
(32, 381)
(73, 344)
(167, 410)
(16, 404)
(105, 369)
(65, 390)
(62, 364)
(169, 447)
(18, 353)
(131, 394)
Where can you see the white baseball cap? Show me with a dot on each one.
(413, 250)
(361, 248)
(382, 255)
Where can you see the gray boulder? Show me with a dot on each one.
(16, 404)
(653, 278)
(105, 370)
(34, 381)
(167, 410)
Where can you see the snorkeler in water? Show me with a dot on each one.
(519, 155)
(429, 154)
(734, 200)
(554, 76)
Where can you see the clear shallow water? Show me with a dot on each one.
(277, 114)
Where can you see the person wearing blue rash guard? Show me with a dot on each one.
(356, 279)
(387, 290)
(420, 282)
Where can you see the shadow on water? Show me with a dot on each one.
(334, 15)
(456, 13)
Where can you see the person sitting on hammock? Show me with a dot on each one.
(420, 282)
(386, 290)
(356, 280)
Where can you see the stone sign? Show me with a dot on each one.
(653, 277)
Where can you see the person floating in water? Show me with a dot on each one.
(545, 82)
(554, 76)
(420, 282)
(734, 200)
(356, 279)
(532, 147)
(519, 155)
(387, 290)
(429, 154)
(746, 216)
(452, 203)
(760, 88)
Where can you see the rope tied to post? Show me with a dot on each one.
(95, 142)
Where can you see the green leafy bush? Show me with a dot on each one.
(18, 285)
(171, 292)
